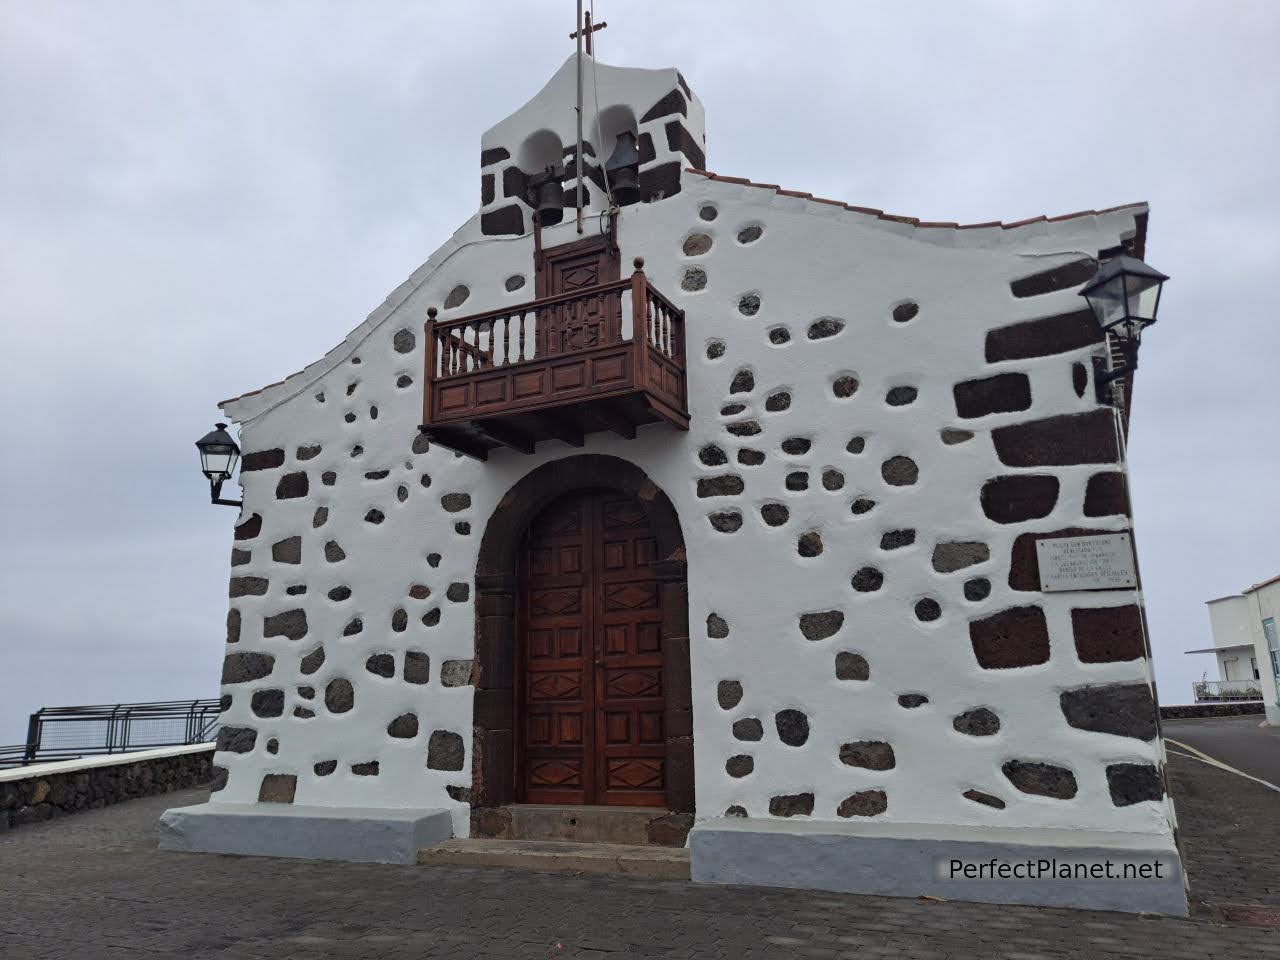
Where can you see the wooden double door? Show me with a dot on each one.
(590, 692)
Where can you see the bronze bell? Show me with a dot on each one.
(623, 170)
(548, 197)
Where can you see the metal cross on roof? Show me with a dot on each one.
(588, 28)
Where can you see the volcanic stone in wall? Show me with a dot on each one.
(861, 505)
(901, 396)
(1056, 278)
(809, 544)
(219, 780)
(951, 436)
(979, 588)
(267, 703)
(957, 554)
(445, 751)
(312, 662)
(503, 221)
(1016, 637)
(1018, 497)
(291, 624)
(247, 587)
(277, 788)
(1108, 634)
(308, 451)
(352, 628)
(233, 625)
(749, 304)
(250, 528)
(1131, 783)
(1043, 337)
(262, 460)
(793, 727)
(1079, 378)
(244, 667)
(905, 311)
(832, 479)
(870, 754)
(1041, 779)
(736, 810)
(1105, 495)
(339, 695)
(369, 768)
(728, 485)
(739, 765)
(750, 458)
(821, 625)
(696, 244)
(455, 502)
(417, 667)
(458, 592)
(236, 739)
(824, 327)
(897, 539)
(844, 387)
(717, 627)
(1059, 441)
(774, 514)
(240, 557)
(910, 701)
(1003, 393)
(726, 522)
(403, 727)
(728, 694)
(1124, 709)
(899, 471)
(797, 480)
(711, 455)
(852, 666)
(324, 767)
(978, 722)
(791, 805)
(673, 102)
(777, 402)
(288, 550)
(493, 155)
(660, 180)
(381, 665)
(457, 673)
(399, 620)
(927, 609)
(292, 486)
(796, 446)
(867, 580)
(864, 803)
(749, 729)
(715, 348)
(404, 341)
(680, 140)
(986, 799)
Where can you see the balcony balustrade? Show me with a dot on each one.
(1210, 691)
(604, 357)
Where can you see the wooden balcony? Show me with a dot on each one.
(556, 368)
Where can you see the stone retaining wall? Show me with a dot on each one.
(53, 790)
(1190, 711)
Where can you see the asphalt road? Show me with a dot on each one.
(1237, 741)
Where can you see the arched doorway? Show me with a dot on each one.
(613, 502)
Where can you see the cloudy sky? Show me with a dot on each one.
(197, 198)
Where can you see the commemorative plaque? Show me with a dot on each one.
(1086, 563)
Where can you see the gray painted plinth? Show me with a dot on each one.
(364, 834)
(911, 860)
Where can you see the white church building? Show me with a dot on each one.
(716, 524)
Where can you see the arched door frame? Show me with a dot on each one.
(495, 737)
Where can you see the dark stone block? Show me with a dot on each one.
(978, 722)
(369, 768)
(821, 625)
(901, 396)
(979, 588)
(247, 587)
(1016, 637)
(739, 765)
(661, 180)
(986, 799)
(696, 244)
(262, 460)
(912, 700)
(431, 618)
(905, 311)
(339, 594)
(508, 220)
(749, 304)
(399, 620)
(486, 189)
(377, 474)
(404, 341)
(779, 335)
(927, 610)
(312, 662)
(250, 528)
(743, 428)
(324, 767)
(296, 590)
(292, 486)
(288, 550)
(956, 555)
(750, 458)
(267, 703)
(832, 479)
(797, 480)
(458, 592)
(791, 805)
(728, 694)
(743, 382)
(673, 102)
(1106, 496)
(1003, 393)
(417, 667)
(1019, 497)
(864, 803)
(403, 727)
(1108, 634)
(796, 446)
(339, 695)
(1123, 709)
(309, 452)
(458, 673)
(1057, 278)
(1043, 337)
(897, 539)
(1041, 779)
(329, 478)
(726, 522)
(749, 729)
(861, 505)
(493, 155)
(856, 445)
(774, 514)
(515, 183)
(717, 628)
(844, 387)
(1079, 378)
(291, 624)
(381, 664)
(445, 751)
(715, 349)
(824, 327)
(514, 282)
(457, 296)
(711, 455)
(236, 739)
(680, 140)
(240, 557)
(777, 402)
(1059, 441)
(869, 754)
(277, 788)
(1024, 560)
(1131, 783)
(900, 471)
(375, 517)
(809, 544)
(219, 781)
(727, 485)
(793, 727)
(951, 437)
(244, 667)
(645, 145)
(355, 626)
(867, 580)
(694, 279)
(852, 666)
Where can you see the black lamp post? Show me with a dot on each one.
(1124, 295)
(218, 456)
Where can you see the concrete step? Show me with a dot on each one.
(627, 825)
(560, 856)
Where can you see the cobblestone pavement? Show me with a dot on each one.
(94, 886)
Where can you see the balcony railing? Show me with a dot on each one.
(1215, 690)
(606, 357)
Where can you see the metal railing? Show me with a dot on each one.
(1208, 691)
(68, 733)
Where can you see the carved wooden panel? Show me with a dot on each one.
(593, 698)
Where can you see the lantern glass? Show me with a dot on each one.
(218, 454)
(1124, 296)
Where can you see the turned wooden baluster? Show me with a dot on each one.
(429, 362)
(521, 360)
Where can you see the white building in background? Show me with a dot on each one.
(1246, 642)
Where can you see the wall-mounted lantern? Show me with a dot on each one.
(1124, 295)
(218, 456)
